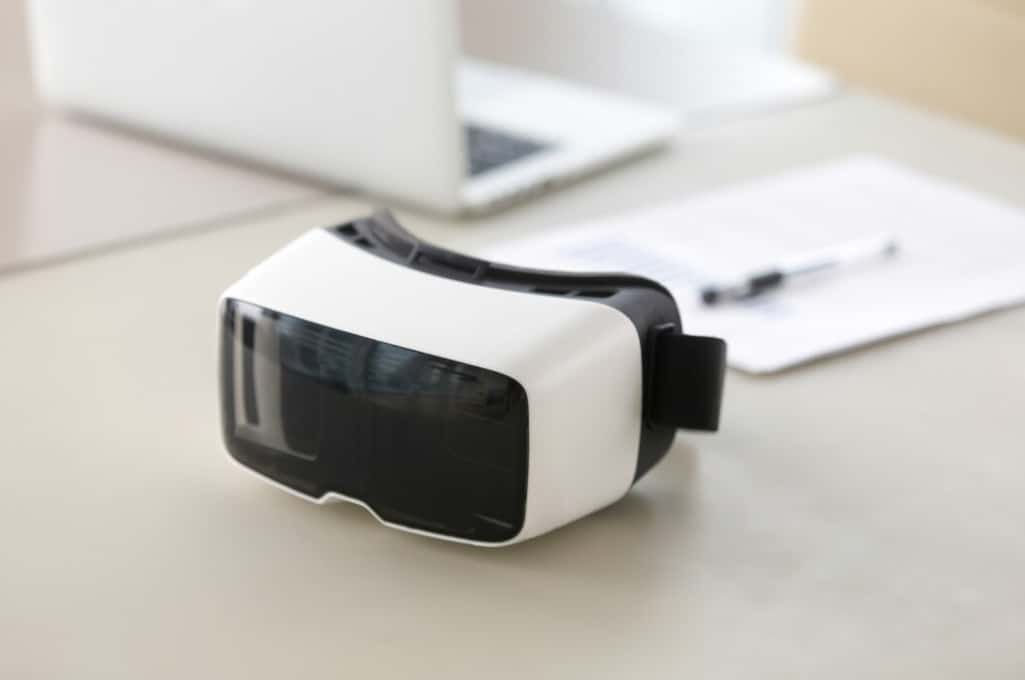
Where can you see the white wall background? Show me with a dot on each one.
(745, 24)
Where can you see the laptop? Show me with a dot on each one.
(368, 95)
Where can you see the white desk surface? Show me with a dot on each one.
(860, 517)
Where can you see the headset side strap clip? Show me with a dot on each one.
(687, 379)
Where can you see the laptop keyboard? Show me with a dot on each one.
(487, 149)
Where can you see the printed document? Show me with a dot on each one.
(960, 254)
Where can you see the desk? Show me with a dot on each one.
(863, 516)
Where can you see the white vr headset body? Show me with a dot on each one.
(449, 396)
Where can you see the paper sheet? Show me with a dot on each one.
(960, 254)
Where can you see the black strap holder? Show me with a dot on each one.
(687, 379)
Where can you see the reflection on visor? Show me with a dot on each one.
(426, 442)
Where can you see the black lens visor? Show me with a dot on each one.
(426, 442)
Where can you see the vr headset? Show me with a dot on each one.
(451, 396)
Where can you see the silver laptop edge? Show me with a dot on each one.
(361, 94)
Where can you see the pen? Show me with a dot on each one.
(776, 276)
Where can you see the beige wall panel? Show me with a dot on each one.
(965, 58)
